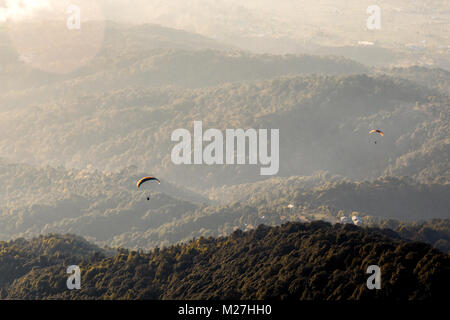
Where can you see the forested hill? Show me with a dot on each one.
(151, 55)
(121, 108)
(107, 208)
(402, 198)
(431, 77)
(294, 261)
(20, 256)
(329, 116)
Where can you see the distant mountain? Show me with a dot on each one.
(323, 120)
(108, 209)
(96, 205)
(294, 261)
(402, 198)
(120, 110)
(431, 77)
(151, 55)
(120, 37)
(275, 202)
(110, 123)
(370, 55)
(385, 197)
(25, 184)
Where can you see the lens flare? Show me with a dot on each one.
(52, 35)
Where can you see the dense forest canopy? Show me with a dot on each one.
(107, 207)
(329, 116)
(294, 261)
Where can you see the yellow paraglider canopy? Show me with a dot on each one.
(381, 133)
(143, 180)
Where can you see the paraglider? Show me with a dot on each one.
(144, 180)
(381, 133)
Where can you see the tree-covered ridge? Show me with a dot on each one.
(434, 231)
(19, 257)
(329, 116)
(430, 77)
(294, 261)
(25, 184)
(385, 197)
(108, 209)
(402, 197)
(151, 55)
(120, 45)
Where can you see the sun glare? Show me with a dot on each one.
(16, 10)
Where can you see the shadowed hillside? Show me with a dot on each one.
(294, 261)
(108, 209)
